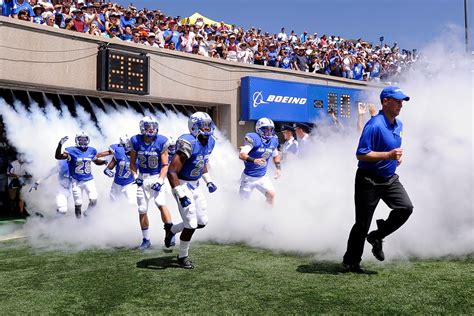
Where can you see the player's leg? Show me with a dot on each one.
(130, 192)
(190, 223)
(77, 196)
(201, 208)
(246, 186)
(61, 201)
(265, 186)
(142, 203)
(91, 190)
(160, 201)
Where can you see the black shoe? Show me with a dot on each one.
(185, 263)
(78, 214)
(170, 240)
(354, 268)
(376, 246)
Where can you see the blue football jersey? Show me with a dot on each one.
(123, 174)
(79, 162)
(197, 153)
(149, 155)
(260, 149)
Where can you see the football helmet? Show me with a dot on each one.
(149, 126)
(82, 140)
(125, 142)
(172, 146)
(200, 123)
(265, 128)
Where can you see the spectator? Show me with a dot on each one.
(37, 14)
(79, 24)
(260, 56)
(272, 56)
(290, 147)
(7, 7)
(127, 19)
(304, 37)
(187, 40)
(50, 19)
(19, 5)
(284, 61)
(94, 30)
(301, 61)
(23, 15)
(151, 40)
(282, 37)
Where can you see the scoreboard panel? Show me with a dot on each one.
(124, 72)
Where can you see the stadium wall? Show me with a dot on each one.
(40, 58)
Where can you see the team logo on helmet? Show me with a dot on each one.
(265, 128)
(201, 123)
(149, 126)
(82, 140)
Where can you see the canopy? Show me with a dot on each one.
(193, 18)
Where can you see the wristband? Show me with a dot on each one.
(250, 159)
(206, 177)
(179, 191)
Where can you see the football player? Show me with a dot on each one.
(256, 152)
(64, 188)
(80, 158)
(123, 183)
(150, 152)
(188, 166)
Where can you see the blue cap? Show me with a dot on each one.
(393, 92)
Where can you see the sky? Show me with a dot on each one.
(410, 23)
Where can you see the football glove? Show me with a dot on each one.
(185, 201)
(63, 140)
(34, 187)
(156, 186)
(139, 182)
(211, 187)
(108, 172)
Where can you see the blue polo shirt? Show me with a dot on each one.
(380, 135)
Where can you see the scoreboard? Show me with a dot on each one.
(124, 72)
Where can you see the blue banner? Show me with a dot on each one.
(286, 101)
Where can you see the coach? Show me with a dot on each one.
(379, 154)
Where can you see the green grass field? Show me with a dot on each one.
(227, 279)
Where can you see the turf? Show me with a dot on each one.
(230, 279)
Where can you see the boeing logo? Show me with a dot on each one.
(258, 99)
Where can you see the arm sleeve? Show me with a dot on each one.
(185, 147)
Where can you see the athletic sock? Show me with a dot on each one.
(145, 233)
(184, 248)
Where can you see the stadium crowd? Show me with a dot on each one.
(330, 55)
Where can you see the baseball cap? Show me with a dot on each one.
(393, 92)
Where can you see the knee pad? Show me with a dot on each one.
(201, 226)
(92, 203)
(141, 210)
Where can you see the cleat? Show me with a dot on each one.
(145, 244)
(170, 239)
(185, 263)
(376, 243)
(354, 268)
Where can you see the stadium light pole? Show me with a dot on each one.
(466, 28)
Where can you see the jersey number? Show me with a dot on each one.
(150, 163)
(124, 169)
(200, 163)
(83, 167)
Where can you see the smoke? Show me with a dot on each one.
(314, 207)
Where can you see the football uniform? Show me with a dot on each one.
(123, 179)
(149, 168)
(191, 172)
(255, 176)
(79, 165)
